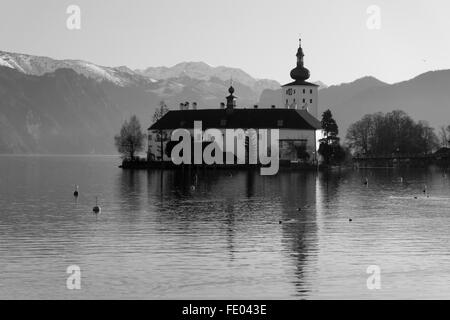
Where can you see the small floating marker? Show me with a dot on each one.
(280, 222)
(350, 220)
(97, 208)
(75, 193)
(299, 209)
(415, 197)
(425, 189)
(366, 182)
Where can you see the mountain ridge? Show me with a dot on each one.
(73, 106)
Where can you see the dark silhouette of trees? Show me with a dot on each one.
(130, 140)
(329, 148)
(390, 133)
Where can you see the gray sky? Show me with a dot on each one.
(259, 36)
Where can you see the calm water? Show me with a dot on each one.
(157, 237)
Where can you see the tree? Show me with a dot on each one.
(329, 148)
(329, 126)
(161, 136)
(130, 140)
(392, 133)
(160, 112)
(444, 136)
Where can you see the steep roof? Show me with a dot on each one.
(239, 118)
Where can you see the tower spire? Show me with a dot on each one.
(300, 73)
(231, 99)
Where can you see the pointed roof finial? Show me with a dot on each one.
(300, 73)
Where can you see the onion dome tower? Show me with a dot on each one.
(300, 94)
(300, 73)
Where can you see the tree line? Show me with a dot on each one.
(391, 133)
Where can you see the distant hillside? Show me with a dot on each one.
(60, 112)
(74, 106)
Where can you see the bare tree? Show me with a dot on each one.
(393, 132)
(161, 136)
(130, 140)
(161, 111)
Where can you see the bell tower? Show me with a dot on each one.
(300, 94)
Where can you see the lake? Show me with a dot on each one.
(161, 235)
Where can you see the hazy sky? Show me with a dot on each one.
(259, 36)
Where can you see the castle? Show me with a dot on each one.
(296, 120)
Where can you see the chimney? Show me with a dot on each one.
(255, 106)
(222, 105)
(181, 106)
(273, 106)
(186, 105)
(194, 105)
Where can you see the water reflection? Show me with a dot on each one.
(216, 234)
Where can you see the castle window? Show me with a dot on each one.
(304, 91)
(304, 100)
(310, 91)
(310, 100)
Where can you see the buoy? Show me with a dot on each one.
(425, 189)
(415, 197)
(280, 222)
(366, 182)
(299, 209)
(97, 208)
(75, 193)
(350, 220)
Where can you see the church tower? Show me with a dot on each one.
(300, 94)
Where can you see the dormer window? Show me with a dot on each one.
(280, 123)
(223, 122)
(182, 123)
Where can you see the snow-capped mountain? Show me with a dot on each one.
(75, 106)
(124, 76)
(203, 71)
(37, 65)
